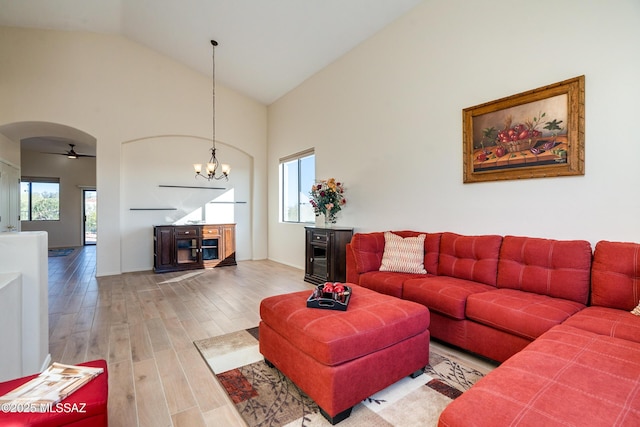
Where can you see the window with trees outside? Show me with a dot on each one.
(39, 199)
(297, 175)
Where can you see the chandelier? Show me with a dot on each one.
(211, 171)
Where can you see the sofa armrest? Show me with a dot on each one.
(352, 274)
(366, 252)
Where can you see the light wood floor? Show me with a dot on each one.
(144, 325)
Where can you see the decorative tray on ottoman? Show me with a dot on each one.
(323, 297)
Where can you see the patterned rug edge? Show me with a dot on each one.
(250, 386)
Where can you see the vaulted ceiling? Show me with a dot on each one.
(266, 47)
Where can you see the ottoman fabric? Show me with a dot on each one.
(338, 388)
(341, 357)
(372, 322)
(91, 399)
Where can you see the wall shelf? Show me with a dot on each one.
(189, 186)
(230, 203)
(153, 209)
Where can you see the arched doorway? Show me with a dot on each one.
(41, 150)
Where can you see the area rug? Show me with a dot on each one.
(60, 252)
(265, 397)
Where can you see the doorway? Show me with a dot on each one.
(89, 214)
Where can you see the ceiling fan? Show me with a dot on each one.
(72, 153)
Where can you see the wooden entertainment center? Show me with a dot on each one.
(187, 247)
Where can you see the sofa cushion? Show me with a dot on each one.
(607, 321)
(446, 295)
(472, 258)
(566, 377)
(371, 323)
(403, 254)
(615, 276)
(386, 282)
(368, 249)
(520, 313)
(558, 268)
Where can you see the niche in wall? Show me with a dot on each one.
(159, 187)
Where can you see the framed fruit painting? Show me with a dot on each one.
(534, 134)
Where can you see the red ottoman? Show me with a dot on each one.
(342, 357)
(87, 407)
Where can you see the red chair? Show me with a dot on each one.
(87, 407)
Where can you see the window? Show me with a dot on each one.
(40, 199)
(297, 175)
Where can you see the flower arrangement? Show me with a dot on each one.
(327, 197)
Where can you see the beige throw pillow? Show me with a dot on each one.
(636, 310)
(403, 255)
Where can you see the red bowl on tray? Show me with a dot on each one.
(330, 296)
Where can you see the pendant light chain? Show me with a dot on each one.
(212, 165)
(213, 61)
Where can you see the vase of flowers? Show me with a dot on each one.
(327, 198)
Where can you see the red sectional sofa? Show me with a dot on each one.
(615, 291)
(557, 315)
(491, 295)
(567, 377)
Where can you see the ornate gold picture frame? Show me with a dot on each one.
(534, 134)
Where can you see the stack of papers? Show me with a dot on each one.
(50, 387)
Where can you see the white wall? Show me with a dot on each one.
(9, 151)
(9, 176)
(9, 197)
(26, 254)
(73, 174)
(119, 91)
(386, 119)
(11, 319)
